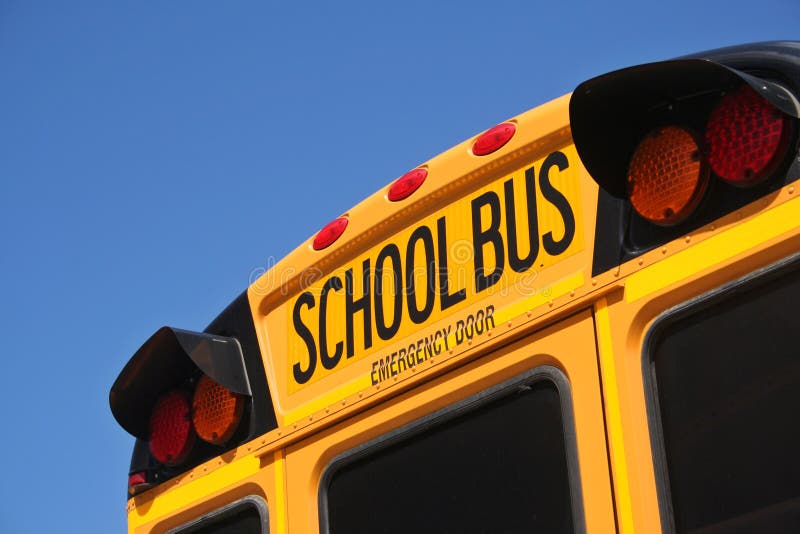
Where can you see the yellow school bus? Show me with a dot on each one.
(579, 320)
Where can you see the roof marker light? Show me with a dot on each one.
(404, 186)
(746, 137)
(330, 233)
(493, 139)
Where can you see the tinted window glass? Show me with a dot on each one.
(501, 467)
(241, 518)
(728, 384)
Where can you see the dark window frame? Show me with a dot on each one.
(677, 313)
(409, 430)
(229, 509)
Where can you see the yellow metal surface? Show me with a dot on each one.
(486, 240)
(569, 345)
(174, 506)
(724, 246)
(616, 441)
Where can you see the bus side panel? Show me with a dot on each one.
(568, 346)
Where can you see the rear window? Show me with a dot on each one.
(725, 376)
(498, 464)
(245, 516)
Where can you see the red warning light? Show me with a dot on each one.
(407, 184)
(493, 139)
(330, 233)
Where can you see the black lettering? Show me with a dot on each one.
(355, 305)
(417, 315)
(328, 361)
(301, 376)
(390, 252)
(490, 315)
(447, 299)
(481, 237)
(514, 261)
(557, 199)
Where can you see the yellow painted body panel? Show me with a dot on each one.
(568, 346)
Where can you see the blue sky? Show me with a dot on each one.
(154, 155)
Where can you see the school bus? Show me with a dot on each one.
(580, 320)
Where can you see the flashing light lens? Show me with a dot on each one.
(667, 176)
(171, 434)
(407, 184)
(746, 135)
(330, 233)
(216, 411)
(493, 139)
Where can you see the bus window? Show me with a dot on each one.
(496, 465)
(245, 516)
(727, 376)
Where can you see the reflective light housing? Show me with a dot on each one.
(216, 411)
(493, 139)
(171, 434)
(407, 184)
(667, 176)
(330, 233)
(747, 137)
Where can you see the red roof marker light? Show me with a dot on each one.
(330, 233)
(493, 139)
(404, 186)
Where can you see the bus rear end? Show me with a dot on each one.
(577, 320)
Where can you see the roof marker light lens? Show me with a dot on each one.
(330, 233)
(407, 184)
(216, 411)
(171, 434)
(493, 139)
(667, 176)
(746, 136)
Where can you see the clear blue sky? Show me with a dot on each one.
(155, 154)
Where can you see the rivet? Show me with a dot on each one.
(489, 333)
(469, 342)
(528, 313)
(791, 190)
(395, 379)
(572, 293)
(360, 394)
(294, 426)
(594, 281)
(664, 250)
(344, 403)
(688, 238)
(327, 410)
(713, 227)
(279, 432)
(550, 303)
(310, 418)
(616, 272)
(641, 261)
(431, 360)
(509, 324)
